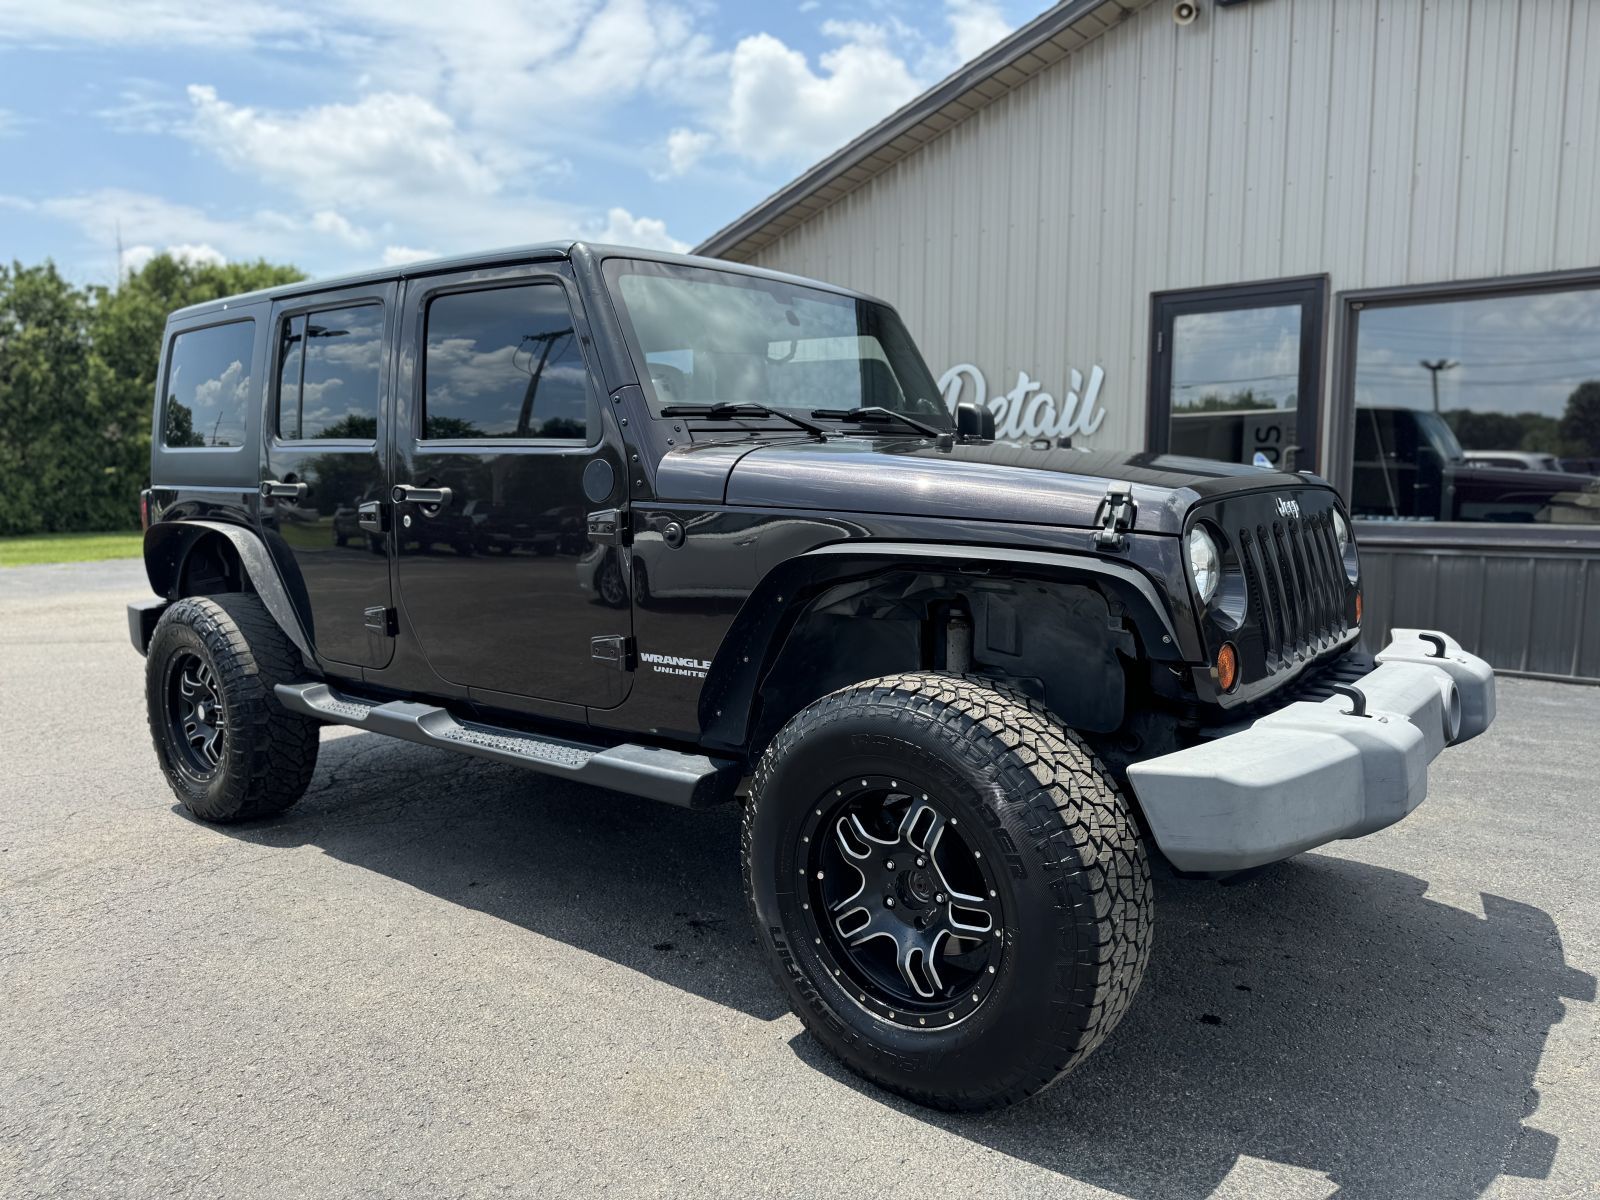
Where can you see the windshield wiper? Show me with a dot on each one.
(876, 412)
(741, 410)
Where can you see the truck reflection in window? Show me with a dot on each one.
(1483, 409)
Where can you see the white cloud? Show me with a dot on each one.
(383, 146)
(779, 108)
(774, 107)
(399, 256)
(975, 25)
(10, 123)
(147, 22)
(135, 258)
(686, 146)
(622, 228)
(337, 225)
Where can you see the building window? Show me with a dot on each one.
(208, 386)
(1236, 373)
(329, 371)
(503, 363)
(1479, 408)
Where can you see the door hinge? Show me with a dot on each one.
(1160, 340)
(1114, 516)
(613, 649)
(369, 517)
(384, 622)
(609, 527)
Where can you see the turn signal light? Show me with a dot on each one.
(1227, 667)
(1358, 608)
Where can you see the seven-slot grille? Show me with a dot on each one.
(1296, 580)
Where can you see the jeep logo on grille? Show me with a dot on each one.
(1288, 508)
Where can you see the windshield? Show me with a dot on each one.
(703, 336)
(1437, 430)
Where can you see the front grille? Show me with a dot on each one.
(1296, 582)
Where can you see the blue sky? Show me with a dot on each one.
(338, 137)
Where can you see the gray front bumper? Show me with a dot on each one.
(1311, 773)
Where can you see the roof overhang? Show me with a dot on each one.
(1005, 66)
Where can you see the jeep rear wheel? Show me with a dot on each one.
(229, 750)
(948, 885)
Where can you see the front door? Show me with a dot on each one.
(1236, 372)
(323, 471)
(500, 460)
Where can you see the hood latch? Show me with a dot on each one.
(1115, 516)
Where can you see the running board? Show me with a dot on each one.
(655, 773)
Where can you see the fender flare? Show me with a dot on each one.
(168, 545)
(762, 625)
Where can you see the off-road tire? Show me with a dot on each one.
(1075, 889)
(268, 753)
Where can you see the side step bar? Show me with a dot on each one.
(655, 773)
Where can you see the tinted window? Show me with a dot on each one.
(1235, 384)
(1441, 386)
(711, 337)
(329, 372)
(208, 386)
(503, 363)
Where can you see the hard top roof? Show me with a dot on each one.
(489, 258)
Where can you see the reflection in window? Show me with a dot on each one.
(208, 386)
(329, 373)
(714, 337)
(1235, 377)
(1485, 409)
(503, 363)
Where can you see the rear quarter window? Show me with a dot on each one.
(207, 392)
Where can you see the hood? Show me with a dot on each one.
(995, 481)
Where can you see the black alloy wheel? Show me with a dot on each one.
(900, 904)
(196, 713)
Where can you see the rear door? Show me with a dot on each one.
(324, 469)
(500, 458)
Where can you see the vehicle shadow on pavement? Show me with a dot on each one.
(1326, 1015)
(640, 883)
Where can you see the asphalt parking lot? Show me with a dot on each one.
(439, 976)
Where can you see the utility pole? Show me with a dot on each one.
(119, 255)
(1433, 369)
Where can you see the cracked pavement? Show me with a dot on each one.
(444, 977)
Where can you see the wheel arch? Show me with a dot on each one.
(196, 557)
(773, 661)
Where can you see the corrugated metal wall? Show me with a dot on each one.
(1382, 142)
(1536, 611)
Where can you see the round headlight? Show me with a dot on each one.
(1205, 564)
(1347, 545)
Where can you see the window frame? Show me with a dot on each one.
(166, 381)
(1309, 291)
(1341, 410)
(305, 307)
(593, 432)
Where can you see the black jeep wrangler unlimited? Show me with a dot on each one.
(705, 533)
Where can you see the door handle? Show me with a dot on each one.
(271, 489)
(428, 497)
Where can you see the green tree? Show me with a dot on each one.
(52, 456)
(1580, 424)
(77, 385)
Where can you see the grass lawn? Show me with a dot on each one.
(69, 547)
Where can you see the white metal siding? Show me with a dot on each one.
(1383, 142)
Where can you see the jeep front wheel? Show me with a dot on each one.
(229, 749)
(948, 885)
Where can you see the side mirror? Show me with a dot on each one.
(974, 421)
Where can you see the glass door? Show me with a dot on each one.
(1236, 373)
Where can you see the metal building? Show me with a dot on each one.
(1360, 237)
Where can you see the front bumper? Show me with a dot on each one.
(1311, 773)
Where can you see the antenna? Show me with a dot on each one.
(119, 254)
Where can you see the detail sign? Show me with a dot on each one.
(1027, 410)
